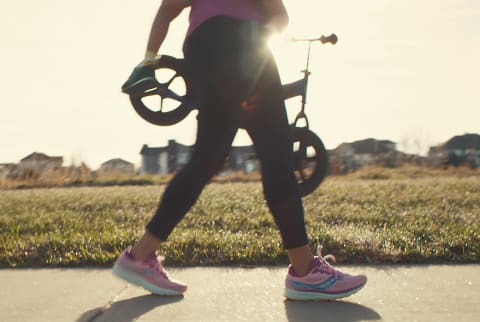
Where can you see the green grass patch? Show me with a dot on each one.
(421, 220)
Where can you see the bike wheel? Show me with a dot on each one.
(310, 160)
(164, 101)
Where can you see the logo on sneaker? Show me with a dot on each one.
(325, 285)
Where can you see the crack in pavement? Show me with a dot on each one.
(103, 309)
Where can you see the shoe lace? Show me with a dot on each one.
(325, 266)
(155, 262)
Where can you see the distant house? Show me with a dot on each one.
(154, 160)
(163, 160)
(243, 158)
(8, 170)
(362, 153)
(38, 164)
(116, 166)
(458, 150)
(170, 158)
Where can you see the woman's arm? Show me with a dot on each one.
(276, 16)
(169, 10)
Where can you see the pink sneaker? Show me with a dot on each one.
(148, 274)
(322, 282)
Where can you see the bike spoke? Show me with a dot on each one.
(171, 79)
(150, 93)
(302, 173)
(165, 92)
(302, 150)
(298, 158)
(304, 165)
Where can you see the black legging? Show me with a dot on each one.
(224, 57)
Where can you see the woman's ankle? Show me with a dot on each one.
(301, 259)
(146, 245)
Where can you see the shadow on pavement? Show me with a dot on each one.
(332, 311)
(127, 310)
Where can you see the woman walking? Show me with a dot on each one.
(235, 80)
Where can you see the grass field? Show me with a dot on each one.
(360, 220)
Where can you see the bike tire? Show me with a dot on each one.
(160, 117)
(317, 163)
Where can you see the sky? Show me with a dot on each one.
(406, 71)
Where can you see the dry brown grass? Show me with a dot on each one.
(413, 172)
(71, 177)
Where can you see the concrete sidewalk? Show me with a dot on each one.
(393, 293)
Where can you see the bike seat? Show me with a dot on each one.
(140, 86)
(141, 80)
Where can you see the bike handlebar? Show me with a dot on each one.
(332, 39)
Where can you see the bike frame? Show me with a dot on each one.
(299, 87)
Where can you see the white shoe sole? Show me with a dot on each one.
(139, 281)
(314, 296)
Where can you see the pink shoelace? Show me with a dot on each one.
(155, 262)
(325, 266)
